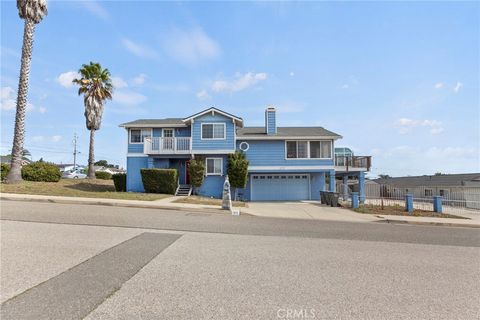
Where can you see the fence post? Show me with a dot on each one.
(437, 204)
(355, 200)
(409, 202)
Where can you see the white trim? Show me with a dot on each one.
(197, 151)
(291, 138)
(130, 135)
(287, 168)
(350, 169)
(221, 167)
(213, 130)
(212, 110)
(173, 132)
(138, 155)
(153, 125)
(332, 150)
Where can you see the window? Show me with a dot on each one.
(443, 193)
(309, 149)
(213, 130)
(244, 146)
(167, 133)
(138, 136)
(428, 192)
(214, 166)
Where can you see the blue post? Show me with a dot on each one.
(355, 201)
(437, 204)
(361, 186)
(322, 182)
(409, 202)
(332, 181)
(345, 187)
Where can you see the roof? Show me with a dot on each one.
(440, 180)
(174, 122)
(213, 110)
(286, 132)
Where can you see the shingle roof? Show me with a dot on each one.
(287, 132)
(440, 180)
(154, 122)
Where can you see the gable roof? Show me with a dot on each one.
(440, 180)
(168, 122)
(258, 133)
(215, 110)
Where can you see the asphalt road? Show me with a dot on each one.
(96, 262)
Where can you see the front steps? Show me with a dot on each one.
(184, 190)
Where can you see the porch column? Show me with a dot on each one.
(150, 163)
(322, 181)
(361, 186)
(345, 187)
(332, 181)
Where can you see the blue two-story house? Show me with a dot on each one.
(285, 163)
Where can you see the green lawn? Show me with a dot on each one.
(77, 188)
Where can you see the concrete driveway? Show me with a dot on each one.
(305, 210)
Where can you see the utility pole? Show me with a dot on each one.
(75, 137)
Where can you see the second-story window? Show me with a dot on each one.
(213, 130)
(309, 149)
(138, 135)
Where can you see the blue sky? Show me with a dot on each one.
(399, 81)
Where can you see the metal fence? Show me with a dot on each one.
(454, 199)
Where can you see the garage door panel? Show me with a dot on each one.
(280, 187)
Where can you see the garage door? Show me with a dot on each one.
(280, 187)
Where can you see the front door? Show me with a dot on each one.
(168, 139)
(187, 172)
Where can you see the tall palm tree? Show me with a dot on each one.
(32, 11)
(96, 86)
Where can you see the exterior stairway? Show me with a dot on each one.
(184, 190)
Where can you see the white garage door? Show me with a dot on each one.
(280, 187)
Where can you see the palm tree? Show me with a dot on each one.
(96, 86)
(32, 11)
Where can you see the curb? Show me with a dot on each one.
(102, 202)
(427, 223)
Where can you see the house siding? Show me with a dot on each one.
(134, 178)
(199, 145)
(213, 185)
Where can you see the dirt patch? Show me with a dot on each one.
(207, 201)
(400, 211)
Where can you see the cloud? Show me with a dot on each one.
(239, 83)
(56, 138)
(139, 50)
(38, 138)
(140, 79)
(406, 125)
(203, 95)
(128, 98)
(345, 86)
(438, 85)
(191, 46)
(292, 73)
(7, 98)
(457, 87)
(65, 79)
(119, 83)
(96, 9)
(42, 110)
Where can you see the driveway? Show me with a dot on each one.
(311, 210)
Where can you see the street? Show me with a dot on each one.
(62, 261)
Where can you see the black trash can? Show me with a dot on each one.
(322, 197)
(334, 199)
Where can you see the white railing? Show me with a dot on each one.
(159, 145)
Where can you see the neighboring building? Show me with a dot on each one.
(286, 163)
(68, 167)
(110, 170)
(8, 159)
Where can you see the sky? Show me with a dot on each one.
(398, 80)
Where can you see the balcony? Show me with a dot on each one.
(353, 163)
(159, 145)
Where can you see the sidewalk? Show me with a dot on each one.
(449, 222)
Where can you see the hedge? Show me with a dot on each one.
(197, 172)
(4, 170)
(103, 175)
(159, 180)
(120, 182)
(41, 171)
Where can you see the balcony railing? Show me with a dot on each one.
(353, 162)
(159, 145)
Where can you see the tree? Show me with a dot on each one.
(96, 86)
(32, 11)
(197, 173)
(384, 176)
(237, 170)
(438, 173)
(102, 163)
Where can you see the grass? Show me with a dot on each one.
(77, 188)
(204, 200)
(398, 210)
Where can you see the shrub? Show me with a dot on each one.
(237, 169)
(103, 175)
(196, 171)
(41, 171)
(5, 170)
(120, 182)
(159, 180)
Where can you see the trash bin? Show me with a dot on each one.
(334, 199)
(328, 198)
(322, 197)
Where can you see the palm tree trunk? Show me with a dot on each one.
(91, 156)
(15, 174)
